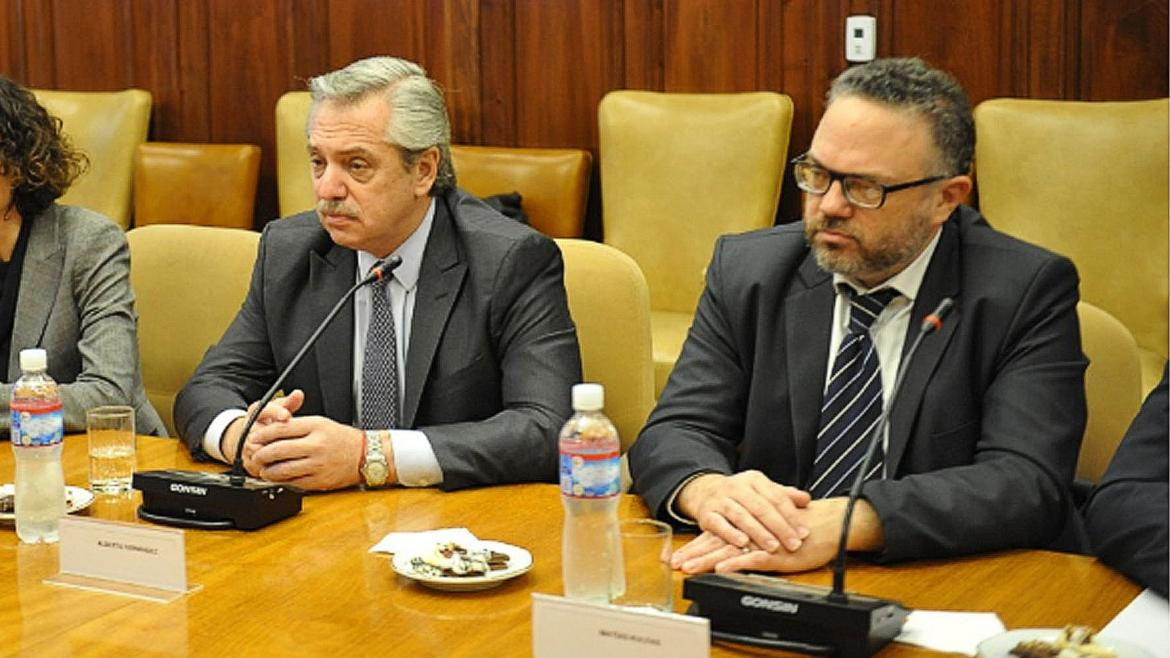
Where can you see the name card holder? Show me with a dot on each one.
(564, 628)
(140, 561)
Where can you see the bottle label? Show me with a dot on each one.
(591, 476)
(42, 425)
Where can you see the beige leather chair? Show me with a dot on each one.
(1087, 180)
(188, 284)
(294, 182)
(107, 127)
(1112, 387)
(677, 171)
(553, 183)
(204, 184)
(611, 308)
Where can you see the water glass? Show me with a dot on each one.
(649, 580)
(112, 448)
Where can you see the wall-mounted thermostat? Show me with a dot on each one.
(860, 38)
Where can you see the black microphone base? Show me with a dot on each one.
(193, 499)
(772, 612)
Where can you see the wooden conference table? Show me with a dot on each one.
(307, 586)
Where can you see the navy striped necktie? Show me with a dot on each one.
(852, 402)
(380, 365)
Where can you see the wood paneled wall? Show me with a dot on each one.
(531, 72)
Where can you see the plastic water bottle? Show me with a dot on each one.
(38, 430)
(590, 486)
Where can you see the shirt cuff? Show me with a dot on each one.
(414, 459)
(214, 433)
(674, 512)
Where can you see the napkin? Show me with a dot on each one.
(399, 542)
(953, 632)
(1143, 622)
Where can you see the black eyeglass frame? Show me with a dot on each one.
(838, 176)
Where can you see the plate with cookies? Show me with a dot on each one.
(1068, 642)
(463, 567)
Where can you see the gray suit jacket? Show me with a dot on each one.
(493, 350)
(75, 301)
(983, 435)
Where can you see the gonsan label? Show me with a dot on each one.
(749, 601)
(188, 489)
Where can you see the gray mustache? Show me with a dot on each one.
(336, 208)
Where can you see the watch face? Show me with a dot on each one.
(375, 473)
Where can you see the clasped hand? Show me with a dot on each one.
(750, 522)
(310, 452)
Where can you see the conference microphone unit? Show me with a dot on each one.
(195, 499)
(774, 612)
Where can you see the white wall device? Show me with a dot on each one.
(860, 38)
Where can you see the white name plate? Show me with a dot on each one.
(563, 628)
(123, 558)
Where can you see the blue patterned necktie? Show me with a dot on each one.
(380, 367)
(852, 403)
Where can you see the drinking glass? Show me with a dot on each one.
(646, 551)
(112, 448)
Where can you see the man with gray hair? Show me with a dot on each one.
(802, 329)
(454, 370)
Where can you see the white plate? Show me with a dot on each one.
(76, 499)
(1000, 645)
(519, 562)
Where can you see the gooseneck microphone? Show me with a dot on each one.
(380, 270)
(777, 613)
(195, 499)
(930, 324)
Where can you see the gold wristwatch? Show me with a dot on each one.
(375, 468)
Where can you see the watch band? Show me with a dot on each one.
(375, 468)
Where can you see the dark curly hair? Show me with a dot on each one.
(35, 155)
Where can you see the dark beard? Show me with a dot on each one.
(872, 260)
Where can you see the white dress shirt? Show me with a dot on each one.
(414, 458)
(888, 331)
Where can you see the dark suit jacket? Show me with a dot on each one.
(1128, 515)
(983, 436)
(492, 357)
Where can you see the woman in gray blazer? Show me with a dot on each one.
(64, 274)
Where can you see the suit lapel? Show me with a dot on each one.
(808, 323)
(941, 280)
(332, 270)
(44, 261)
(440, 277)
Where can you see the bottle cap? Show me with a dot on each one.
(588, 397)
(33, 359)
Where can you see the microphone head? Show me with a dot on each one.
(383, 268)
(933, 321)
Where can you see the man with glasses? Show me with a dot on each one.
(803, 328)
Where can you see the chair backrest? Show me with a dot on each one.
(294, 184)
(679, 170)
(107, 127)
(553, 183)
(1090, 181)
(611, 308)
(1113, 385)
(204, 184)
(188, 282)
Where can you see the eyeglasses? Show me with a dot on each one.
(860, 191)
